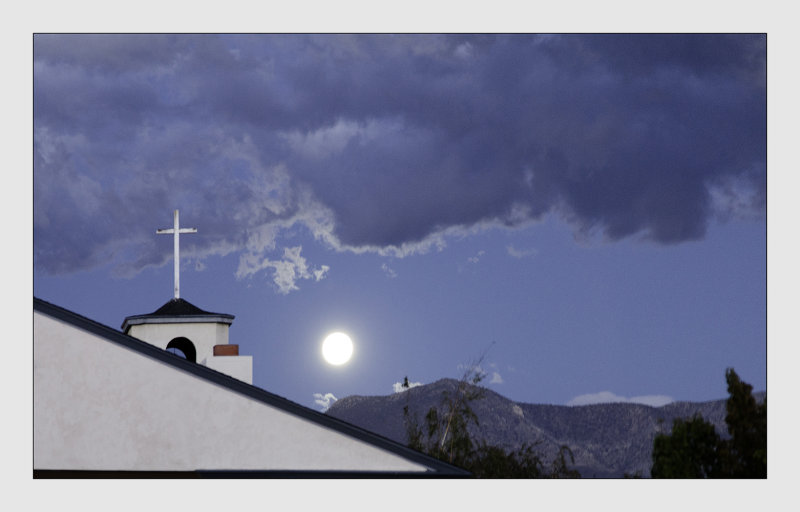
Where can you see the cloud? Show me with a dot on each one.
(388, 271)
(521, 253)
(397, 387)
(476, 370)
(609, 397)
(321, 272)
(464, 51)
(287, 271)
(324, 401)
(386, 144)
(475, 259)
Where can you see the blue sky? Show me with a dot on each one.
(589, 211)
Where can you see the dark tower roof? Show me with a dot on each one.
(180, 307)
(177, 310)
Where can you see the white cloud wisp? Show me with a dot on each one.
(397, 387)
(324, 401)
(607, 397)
(287, 271)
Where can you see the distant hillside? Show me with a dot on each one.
(608, 440)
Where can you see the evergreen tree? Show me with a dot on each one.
(745, 453)
(694, 449)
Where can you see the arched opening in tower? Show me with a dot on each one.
(184, 348)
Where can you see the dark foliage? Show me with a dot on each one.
(694, 449)
(689, 452)
(445, 435)
(745, 454)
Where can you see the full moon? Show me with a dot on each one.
(337, 348)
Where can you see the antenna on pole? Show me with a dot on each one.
(175, 231)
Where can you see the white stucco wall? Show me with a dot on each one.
(238, 367)
(98, 405)
(203, 335)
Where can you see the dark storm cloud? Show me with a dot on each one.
(385, 141)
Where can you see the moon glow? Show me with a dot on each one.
(337, 348)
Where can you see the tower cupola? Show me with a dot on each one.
(187, 331)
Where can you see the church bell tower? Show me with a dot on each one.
(187, 331)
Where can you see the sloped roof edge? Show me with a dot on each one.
(436, 466)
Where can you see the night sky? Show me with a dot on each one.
(586, 212)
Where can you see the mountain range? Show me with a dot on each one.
(609, 440)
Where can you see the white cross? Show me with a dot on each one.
(176, 231)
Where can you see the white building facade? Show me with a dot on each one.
(108, 403)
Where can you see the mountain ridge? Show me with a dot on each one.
(608, 440)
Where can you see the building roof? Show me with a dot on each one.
(180, 307)
(177, 311)
(436, 468)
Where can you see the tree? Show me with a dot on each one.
(690, 451)
(445, 435)
(695, 450)
(745, 454)
(494, 462)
